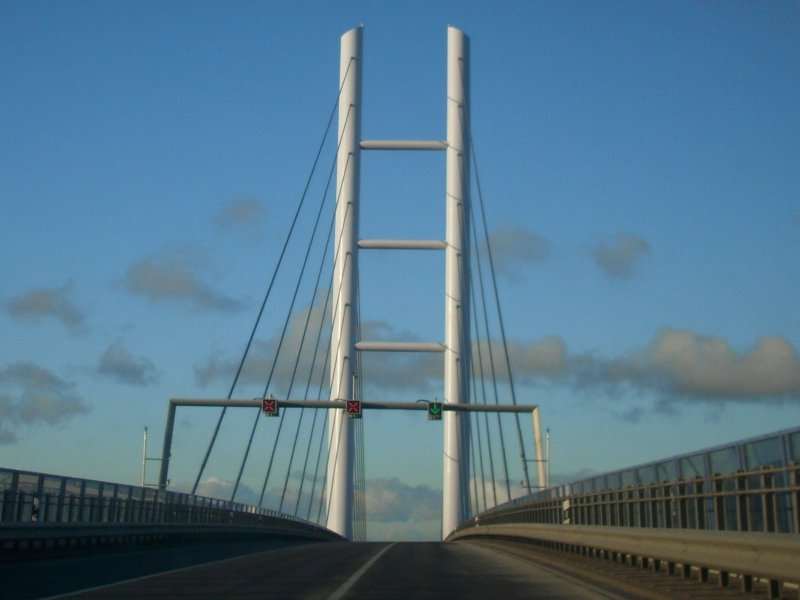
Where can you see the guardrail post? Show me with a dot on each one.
(700, 503)
(795, 480)
(683, 506)
(719, 502)
(10, 498)
(769, 502)
(20, 505)
(62, 491)
(629, 509)
(653, 505)
(742, 503)
(724, 579)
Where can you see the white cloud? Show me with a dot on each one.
(544, 358)
(121, 366)
(261, 359)
(416, 531)
(560, 478)
(49, 302)
(391, 500)
(514, 248)
(708, 367)
(619, 258)
(176, 275)
(383, 372)
(675, 365)
(32, 395)
(241, 213)
(214, 487)
(402, 512)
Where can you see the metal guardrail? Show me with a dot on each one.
(744, 521)
(38, 510)
(778, 449)
(763, 500)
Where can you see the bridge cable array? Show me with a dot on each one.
(489, 345)
(319, 339)
(313, 329)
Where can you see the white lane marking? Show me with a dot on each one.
(345, 587)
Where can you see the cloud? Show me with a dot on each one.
(214, 487)
(118, 364)
(49, 302)
(241, 213)
(418, 373)
(561, 478)
(393, 372)
(675, 365)
(391, 500)
(544, 358)
(394, 510)
(176, 275)
(402, 512)
(261, 359)
(619, 258)
(514, 248)
(708, 367)
(31, 395)
(417, 531)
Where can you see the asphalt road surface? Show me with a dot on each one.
(368, 570)
(25, 579)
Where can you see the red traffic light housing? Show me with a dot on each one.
(353, 408)
(270, 407)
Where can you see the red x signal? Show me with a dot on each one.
(270, 407)
(354, 408)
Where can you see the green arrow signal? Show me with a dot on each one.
(434, 411)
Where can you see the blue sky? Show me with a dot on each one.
(640, 165)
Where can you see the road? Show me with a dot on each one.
(345, 570)
(342, 570)
(25, 579)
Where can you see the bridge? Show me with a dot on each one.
(716, 521)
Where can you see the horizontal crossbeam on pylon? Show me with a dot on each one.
(403, 145)
(402, 244)
(386, 346)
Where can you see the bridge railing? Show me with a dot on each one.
(749, 485)
(733, 509)
(762, 500)
(31, 504)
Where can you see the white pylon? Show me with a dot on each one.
(341, 446)
(457, 285)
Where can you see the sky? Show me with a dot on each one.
(639, 166)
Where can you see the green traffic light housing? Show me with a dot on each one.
(434, 411)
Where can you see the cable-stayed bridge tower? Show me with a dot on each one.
(344, 500)
(344, 342)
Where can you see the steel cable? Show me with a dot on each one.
(271, 283)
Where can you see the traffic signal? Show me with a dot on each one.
(270, 407)
(434, 411)
(353, 409)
